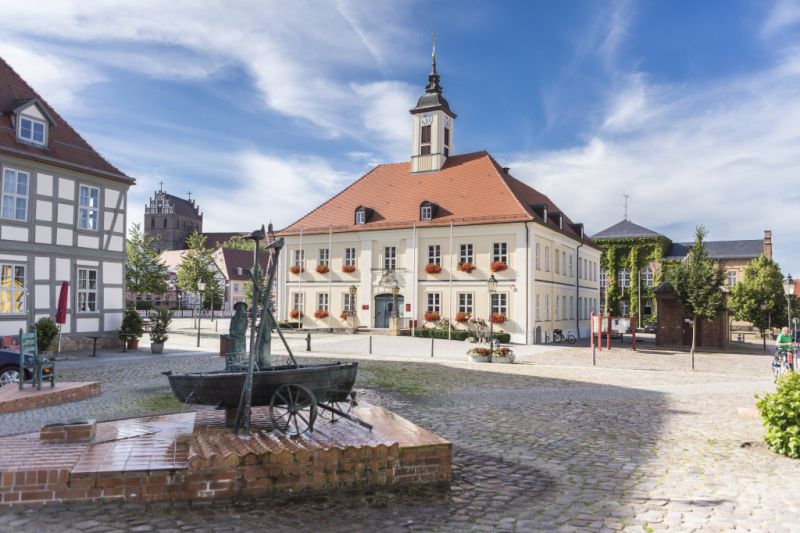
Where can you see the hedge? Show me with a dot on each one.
(290, 325)
(458, 335)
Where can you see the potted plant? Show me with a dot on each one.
(498, 318)
(344, 315)
(462, 317)
(296, 269)
(348, 269)
(432, 316)
(466, 267)
(498, 266)
(503, 355)
(132, 328)
(295, 314)
(480, 355)
(46, 332)
(320, 313)
(323, 269)
(158, 329)
(433, 268)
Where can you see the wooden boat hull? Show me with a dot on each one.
(330, 382)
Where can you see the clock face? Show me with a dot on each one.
(426, 119)
(448, 122)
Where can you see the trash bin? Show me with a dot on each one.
(224, 345)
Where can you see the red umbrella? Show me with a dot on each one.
(61, 312)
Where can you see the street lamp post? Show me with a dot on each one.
(764, 331)
(788, 291)
(353, 307)
(201, 287)
(492, 285)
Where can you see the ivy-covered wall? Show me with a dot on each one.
(635, 254)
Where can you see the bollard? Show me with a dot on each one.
(431, 346)
(308, 342)
(370, 344)
(594, 355)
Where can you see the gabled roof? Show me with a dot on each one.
(65, 147)
(625, 229)
(229, 261)
(746, 249)
(183, 207)
(469, 189)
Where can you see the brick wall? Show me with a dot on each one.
(713, 333)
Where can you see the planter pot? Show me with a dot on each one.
(480, 358)
(157, 347)
(133, 344)
(502, 360)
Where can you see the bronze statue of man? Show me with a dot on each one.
(238, 331)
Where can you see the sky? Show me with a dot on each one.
(264, 109)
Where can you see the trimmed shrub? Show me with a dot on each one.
(780, 411)
(458, 335)
(289, 325)
(132, 325)
(46, 332)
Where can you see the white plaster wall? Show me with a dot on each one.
(112, 273)
(33, 111)
(44, 184)
(112, 196)
(44, 210)
(115, 244)
(66, 213)
(14, 233)
(112, 321)
(87, 241)
(62, 269)
(64, 237)
(42, 295)
(112, 298)
(119, 225)
(12, 327)
(43, 234)
(87, 324)
(41, 268)
(66, 189)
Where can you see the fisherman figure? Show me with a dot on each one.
(238, 333)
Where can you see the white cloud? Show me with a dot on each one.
(783, 15)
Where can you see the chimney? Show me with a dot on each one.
(768, 244)
(506, 169)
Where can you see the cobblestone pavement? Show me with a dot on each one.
(536, 448)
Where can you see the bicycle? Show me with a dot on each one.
(558, 336)
(782, 363)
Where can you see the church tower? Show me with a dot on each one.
(432, 125)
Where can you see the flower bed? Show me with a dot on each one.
(345, 315)
(498, 318)
(503, 355)
(480, 355)
(433, 268)
(320, 313)
(432, 316)
(466, 267)
(295, 269)
(462, 317)
(323, 269)
(295, 314)
(498, 266)
(348, 269)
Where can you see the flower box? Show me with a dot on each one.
(348, 269)
(480, 355)
(503, 355)
(433, 268)
(323, 269)
(462, 317)
(320, 313)
(498, 318)
(498, 266)
(295, 314)
(296, 269)
(432, 316)
(345, 315)
(466, 267)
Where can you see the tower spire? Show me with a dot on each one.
(433, 53)
(626, 195)
(433, 78)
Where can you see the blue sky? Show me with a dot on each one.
(265, 109)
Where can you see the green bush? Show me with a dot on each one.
(161, 321)
(780, 411)
(46, 332)
(143, 305)
(289, 325)
(131, 324)
(458, 335)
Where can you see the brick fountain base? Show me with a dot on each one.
(193, 456)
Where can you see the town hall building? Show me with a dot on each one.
(420, 240)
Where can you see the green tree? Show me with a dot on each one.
(144, 271)
(197, 264)
(697, 283)
(762, 284)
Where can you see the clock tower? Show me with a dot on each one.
(432, 126)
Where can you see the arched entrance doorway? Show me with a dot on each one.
(384, 308)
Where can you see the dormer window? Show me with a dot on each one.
(361, 215)
(32, 130)
(426, 212)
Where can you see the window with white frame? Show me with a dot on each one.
(586, 269)
(585, 308)
(624, 277)
(465, 302)
(547, 307)
(564, 263)
(389, 258)
(647, 277)
(88, 207)
(603, 279)
(426, 212)
(32, 130)
(556, 313)
(12, 289)
(347, 302)
(500, 303)
(324, 256)
(580, 303)
(87, 290)
(570, 265)
(731, 278)
(564, 307)
(538, 256)
(322, 301)
(647, 308)
(425, 140)
(624, 308)
(434, 254)
(350, 256)
(298, 301)
(538, 313)
(361, 217)
(15, 194)
(299, 257)
(580, 270)
(547, 259)
(465, 254)
(556, 261)
(434, 302)
(235, 287)
(500, 252)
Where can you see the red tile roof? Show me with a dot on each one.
(64, 148)
(230, 260)
(469, 189)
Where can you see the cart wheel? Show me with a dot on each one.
(343, 407)
(293, 409)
